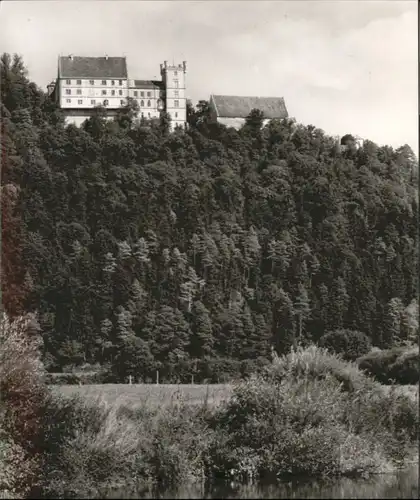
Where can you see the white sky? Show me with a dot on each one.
(344, 66)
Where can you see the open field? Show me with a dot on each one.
(149, 394)
(164, 394)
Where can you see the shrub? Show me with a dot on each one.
(295, 427)
(315, 363)
(406, 368)
(399, 364)
(22, 398)
(311, 414)
(350, 344)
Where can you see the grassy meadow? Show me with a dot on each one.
(158, 395)
(150, 395)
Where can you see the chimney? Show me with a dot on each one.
(106, 57)
(71, 57)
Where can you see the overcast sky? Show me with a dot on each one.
(344, 66)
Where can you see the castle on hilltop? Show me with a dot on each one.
(84, 83)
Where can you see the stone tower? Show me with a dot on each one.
(173, 78)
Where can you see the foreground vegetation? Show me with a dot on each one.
(309, 413)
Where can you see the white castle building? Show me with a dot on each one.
(84, 83)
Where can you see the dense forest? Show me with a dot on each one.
(198, 251)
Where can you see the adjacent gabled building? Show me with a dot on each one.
(84, 83)
(233, 110)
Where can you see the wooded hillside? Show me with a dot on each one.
(196, 252)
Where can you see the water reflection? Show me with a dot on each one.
(403, 484)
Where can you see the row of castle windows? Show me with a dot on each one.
(106, 102)
(79, 92)
(93, 102)
(92, 82)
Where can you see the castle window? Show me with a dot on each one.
(141, 94)
(103, 82)
(120, 92)
(106, 102)
(122, 102)
(176, 114)
(80, 101)
(68, 101)
(68, 91)
(148, 114)
(91, 82)
(149, 94)
(79, 82)
(120, 82)
(148, 103)
(93, 101)
(68, 82)
(142, 104)
(175, 73)
(112, 82)
(135, 93)
(104, 92)
(176, 93)
(79, 91)
(112, 92)
(176, 104)
(176, 83)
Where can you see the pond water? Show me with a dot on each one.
(402, 484)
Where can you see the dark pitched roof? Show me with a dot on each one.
(147, 84)
(233, 106)
(92, 67)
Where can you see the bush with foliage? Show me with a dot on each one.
(311, 414)
(350, 344)
(397, 365)
(22, 396)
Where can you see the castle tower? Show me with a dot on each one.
(173, 78)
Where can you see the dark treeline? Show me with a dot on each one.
(198, 251)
